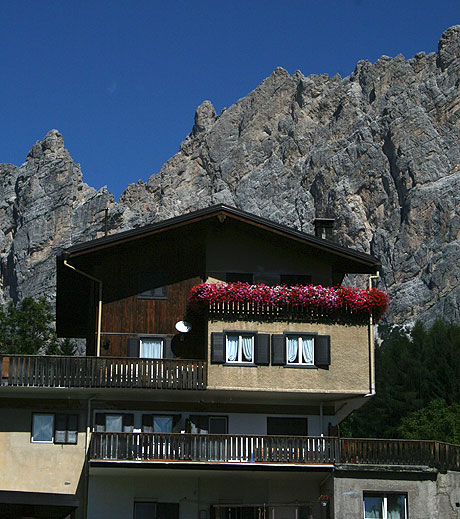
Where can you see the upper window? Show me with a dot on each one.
(153, 285)
(300, 349)
(151, 348)
(54, 428)
(385, 506)
(295, 279)
(239, 348)
(233, 277)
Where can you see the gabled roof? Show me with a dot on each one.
(222, 211)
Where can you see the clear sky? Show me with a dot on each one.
(121, 79)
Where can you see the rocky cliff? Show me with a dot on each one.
(379, 151)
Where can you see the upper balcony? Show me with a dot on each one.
(102, 372)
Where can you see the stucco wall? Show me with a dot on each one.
(347, 373)
(430, 495)
(37, 467)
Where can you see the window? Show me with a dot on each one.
(116, 423)
(161, 423)
(218, 425)
(244, 277)
(284, 426)
(153, 285)
(42, 428)
(151, 348)
(146, 510)
(54, 428)
(300, 349)
(385, 506)
(239, 348)
(295, 279)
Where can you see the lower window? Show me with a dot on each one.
(385, 506)
(239, 348)
(151, 348)
(146, 510)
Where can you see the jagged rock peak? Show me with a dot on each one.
(449, 47)
(205, 117)
(52, 146)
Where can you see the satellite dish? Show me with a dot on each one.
(183, 326)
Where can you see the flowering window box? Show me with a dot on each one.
(314, 301)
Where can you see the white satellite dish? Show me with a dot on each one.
(183, 326)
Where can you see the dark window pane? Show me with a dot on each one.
(153, 285)
(167, 511)
(218, 425)
(144, 511)
(245, 277)
(295, 279)
(287, 426)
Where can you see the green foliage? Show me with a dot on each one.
(436, 421)
(412, 369)
(27, 328)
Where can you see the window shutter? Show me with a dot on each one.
(61, 428)
(262, 349)
(217, 348)
(134, 347)
(167, 350)
(322, 351)
(278, 350)
(147, 423)
(128, 423)
(72, 428)
(100, 422)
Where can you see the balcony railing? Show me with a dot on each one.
(303, 450)
(102, 372)
(213, 448)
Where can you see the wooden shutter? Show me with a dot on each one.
(167, 349)
(134, 347)
(100, 422)
(322, 351)
(217, 348)
(128, 422)
(278, 350)
(262, 349)
(147, 423)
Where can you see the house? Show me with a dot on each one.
(219, 363)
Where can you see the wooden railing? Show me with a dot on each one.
(213, 448)
(302, 450)
(400, 452)
(99, 372)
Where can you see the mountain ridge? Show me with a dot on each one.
(377, 150)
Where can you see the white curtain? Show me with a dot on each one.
(373, 508)
(307, 350)
(292, 348)
(232, 348)
(396, 506)
(151, 349)
(247, 348)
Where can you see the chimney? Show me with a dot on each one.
(324, 228)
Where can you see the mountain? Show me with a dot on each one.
(379, 151)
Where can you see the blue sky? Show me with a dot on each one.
(121, 79)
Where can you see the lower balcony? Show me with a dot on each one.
(101, 372)
(263, 449)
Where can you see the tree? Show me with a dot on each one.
(436, 421)
(28, 328)
(412, 368)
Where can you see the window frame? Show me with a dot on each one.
(239, 360)
(384, 497)
(147, 294)
(218, 417)
(53, 441)
(161, 338)
(299, 336)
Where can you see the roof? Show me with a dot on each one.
(222, 211)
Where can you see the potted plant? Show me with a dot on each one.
(323, 499)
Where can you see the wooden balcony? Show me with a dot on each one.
(296, 450)
(213, 448)
(101, 372)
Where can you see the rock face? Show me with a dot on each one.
(379, 151)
